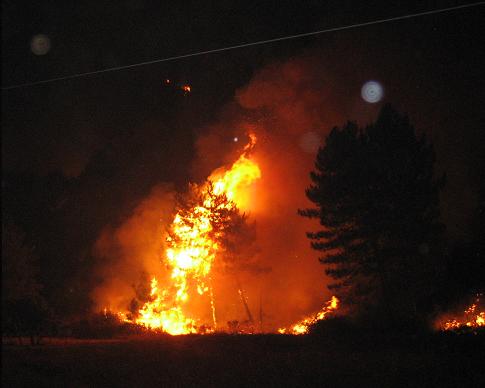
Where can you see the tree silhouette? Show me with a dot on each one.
(378, 202)
(142, 293)
(467, 259)
(24, 310)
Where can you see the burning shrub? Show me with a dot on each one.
(470, 319)
(303, 326)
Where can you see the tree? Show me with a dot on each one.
(377, 199)
(230, 229)
(24, 310)
(467, 259)
(142, 293)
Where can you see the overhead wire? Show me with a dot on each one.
(242, 45)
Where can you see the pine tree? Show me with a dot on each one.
(377, 199)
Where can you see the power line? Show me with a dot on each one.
(261, 42)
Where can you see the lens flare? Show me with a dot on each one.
(372, 92)
(40, 44)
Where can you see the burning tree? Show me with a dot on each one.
(377, 199)
(206, 219)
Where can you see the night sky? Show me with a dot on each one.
(80, 154)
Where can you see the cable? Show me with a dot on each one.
(261, 42)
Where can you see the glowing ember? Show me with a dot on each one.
(192, 248)
(473, 317)
(303, 326)
(186, 88)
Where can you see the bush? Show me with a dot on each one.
(104, 325)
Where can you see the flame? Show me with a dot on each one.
(471, 318)
(192, 249)
(303, 326)
(186, 88)
(242, 174)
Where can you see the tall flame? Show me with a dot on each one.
(192, 249)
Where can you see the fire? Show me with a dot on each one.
(471, 317)
(303, 326)
(192, 248)
(186, 88)
(242, 174)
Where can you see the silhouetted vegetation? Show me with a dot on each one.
(24, 309)
(466, 262)
(377, 198)
(103, 325)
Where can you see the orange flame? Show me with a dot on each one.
(191, 249)
(471, 318)
(303, 326)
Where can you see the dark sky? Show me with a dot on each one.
(60, 126)
(86, 150)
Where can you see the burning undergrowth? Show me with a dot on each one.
(468, 318)
(303, 326)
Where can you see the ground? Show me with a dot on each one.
(247, 361)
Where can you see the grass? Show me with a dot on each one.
(247, 361)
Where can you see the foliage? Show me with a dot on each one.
(142, 293)
(24, 310)
(378, 202)
(231, 229)
(466, 263)
(104, 325)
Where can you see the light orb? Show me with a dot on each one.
(372, 92)
(40, 44)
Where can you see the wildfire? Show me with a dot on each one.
(192, 247)
(303, 326)
(471, 317)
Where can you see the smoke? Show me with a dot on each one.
(291, 106)
(132, 250)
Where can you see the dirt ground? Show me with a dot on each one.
(246, 361)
